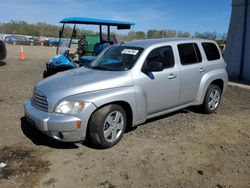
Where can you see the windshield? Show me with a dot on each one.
(63, 46)
(117, 58)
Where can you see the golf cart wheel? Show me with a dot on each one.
(107, 126)
(3, 51)
(45, 74)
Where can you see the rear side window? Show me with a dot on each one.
(189, 53)
(164, 55)
(211, 51)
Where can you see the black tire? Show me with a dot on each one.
(45, 74)
(99, 122)
(3, 51)
(206, 107)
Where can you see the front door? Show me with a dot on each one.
(161, 88)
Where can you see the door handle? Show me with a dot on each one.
(171, 76)
(202, 70)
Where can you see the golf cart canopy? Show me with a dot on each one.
(93, 21)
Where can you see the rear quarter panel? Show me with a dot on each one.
(215, 71)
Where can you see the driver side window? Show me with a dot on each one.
(162, 54)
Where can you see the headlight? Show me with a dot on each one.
(69, 107)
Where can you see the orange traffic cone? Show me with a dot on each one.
(21, 57)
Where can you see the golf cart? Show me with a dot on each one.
(86, 53)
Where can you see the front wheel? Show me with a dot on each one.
(107, 125)
(212, 99)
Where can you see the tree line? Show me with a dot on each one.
(48, 30)
(38, 29)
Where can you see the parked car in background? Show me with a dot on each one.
(32, 39)
(3, 51)
(54, 42)
(42, 41)
(19, 39)
(2, 36)
(11, 39)
(126, 85)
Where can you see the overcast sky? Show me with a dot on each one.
(185, 15)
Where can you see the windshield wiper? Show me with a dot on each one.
(99, 67)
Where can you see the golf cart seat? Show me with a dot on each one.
(99, 47)
(85, 60)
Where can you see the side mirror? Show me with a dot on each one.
(153, 67)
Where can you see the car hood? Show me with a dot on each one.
(81, 80)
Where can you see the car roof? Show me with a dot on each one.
(150, 42)
(94, 21)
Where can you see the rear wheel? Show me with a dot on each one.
(212, 99)
(107, 125)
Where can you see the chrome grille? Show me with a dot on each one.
(40, 100)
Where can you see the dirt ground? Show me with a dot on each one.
(182, 149)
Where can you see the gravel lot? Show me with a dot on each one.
(181, 149)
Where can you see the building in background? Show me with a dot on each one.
(237, 53)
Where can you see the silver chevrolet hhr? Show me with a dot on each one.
(126, 85)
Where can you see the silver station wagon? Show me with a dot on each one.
(126, 85)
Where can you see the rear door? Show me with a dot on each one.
(191, 70)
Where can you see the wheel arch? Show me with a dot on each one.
(125, 105)
(217, 77)
(219, 83)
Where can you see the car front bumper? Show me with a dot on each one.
(60, 127)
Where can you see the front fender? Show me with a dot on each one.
(106, 96)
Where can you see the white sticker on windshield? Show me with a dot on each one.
(130, 51)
